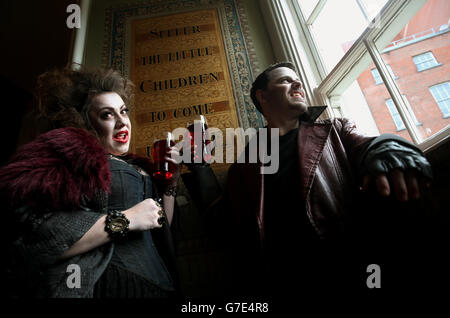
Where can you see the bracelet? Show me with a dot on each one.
(161, 218)
(117, 224)
(171, 190)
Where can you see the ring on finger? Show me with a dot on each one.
(160, 212)
(161, 220)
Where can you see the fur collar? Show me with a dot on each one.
(59, 169)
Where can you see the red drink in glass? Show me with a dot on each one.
(164, 169)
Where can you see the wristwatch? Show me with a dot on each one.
(117, 224)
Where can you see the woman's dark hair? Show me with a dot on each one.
(64, 95)
(262, 80)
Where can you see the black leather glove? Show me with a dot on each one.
(390, 155)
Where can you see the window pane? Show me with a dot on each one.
(353, 105)
(365, 102)
(425, 61)
(376, 76)
(307, 7)
(344, 31)
(373, 7)
(372, 108)
(335, 33)
(395, 115)
(391, 71)
(441, 94)
(411, 111)
(417, 47)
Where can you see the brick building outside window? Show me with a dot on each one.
(419, 56)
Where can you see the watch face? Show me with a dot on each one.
(118, 225)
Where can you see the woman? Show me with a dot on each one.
(89, 218)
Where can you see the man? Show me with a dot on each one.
(299, 227)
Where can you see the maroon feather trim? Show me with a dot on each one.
(58, 169)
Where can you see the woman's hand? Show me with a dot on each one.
(144, 215)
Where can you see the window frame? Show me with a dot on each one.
(292, 40)
(410, 110)
(399, 124)
(436, 63)
(378, 77)
(437, 102)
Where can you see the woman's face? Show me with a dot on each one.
(109, 117)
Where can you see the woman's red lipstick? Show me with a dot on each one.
(121, 136)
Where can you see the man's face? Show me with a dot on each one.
(109, 117)
(284, 93)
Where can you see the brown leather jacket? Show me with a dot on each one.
(333, 156)
(329, 151)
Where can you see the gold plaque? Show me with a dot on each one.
(179, 65)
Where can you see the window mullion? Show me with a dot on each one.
(363, 10)
(393, 91)
(79, 47)
(306, 30)
(316, 11)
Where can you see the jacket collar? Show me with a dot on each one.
(312, 113)
(311, 141)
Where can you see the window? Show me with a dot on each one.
(441, 94)
(396, 115)
(425, 61)
(377, 77)
(332, 45)
(340, 58)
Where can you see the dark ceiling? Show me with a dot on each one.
(34, 37)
